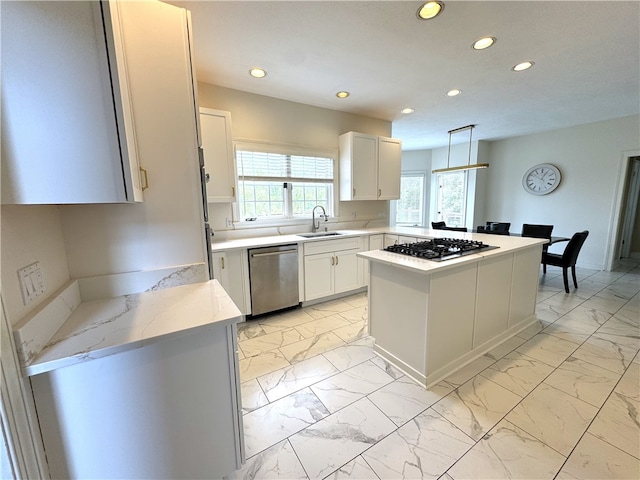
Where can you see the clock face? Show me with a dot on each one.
(541, 179)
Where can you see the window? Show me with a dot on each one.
(280, 185)
(410, 207)
(451, 201)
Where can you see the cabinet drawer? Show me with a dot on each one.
(326, 246)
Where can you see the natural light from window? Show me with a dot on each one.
(282, 185)
(451, 198)
(410, 206)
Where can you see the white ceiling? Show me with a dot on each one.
(586, 54)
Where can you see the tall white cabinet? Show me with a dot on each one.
(68, 129)
(215, 127)
(369, 167)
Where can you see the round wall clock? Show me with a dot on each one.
(541, 179)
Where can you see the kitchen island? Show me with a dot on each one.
(144, 385)
(431, 318)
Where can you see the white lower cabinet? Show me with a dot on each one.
(230, 268)
(331, 267)
(375, 242)
(390, 239)
(170, 409)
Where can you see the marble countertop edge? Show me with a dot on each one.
(99, 328)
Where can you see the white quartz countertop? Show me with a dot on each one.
(503, 241)
(100, 328)
(266, 241)
(506, 244)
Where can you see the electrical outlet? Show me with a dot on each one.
(31, 282)
(229, 223)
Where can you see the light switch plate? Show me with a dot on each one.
(31, 282)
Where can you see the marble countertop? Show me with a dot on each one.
(506, 244)
(502, 241)
(100, 328)
(253, 242)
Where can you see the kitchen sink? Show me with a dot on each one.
(318, 234)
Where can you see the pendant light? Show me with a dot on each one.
(468, 166)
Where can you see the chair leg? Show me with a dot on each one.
(565, 275)
(573, 274)
(544, 268)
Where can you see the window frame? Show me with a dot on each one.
(465, 185)
(413, 173)
(283, 149)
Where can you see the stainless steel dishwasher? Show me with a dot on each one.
(273, 277)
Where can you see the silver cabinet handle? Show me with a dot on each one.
(337, 259)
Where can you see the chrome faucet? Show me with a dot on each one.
(316, 224)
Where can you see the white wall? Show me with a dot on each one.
(31, 233)
(266, 119)
(589, 158)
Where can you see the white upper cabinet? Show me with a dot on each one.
(369, 167)
(215, 128)
(68, 127)
(389, 158)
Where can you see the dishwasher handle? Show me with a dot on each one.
(269, 254)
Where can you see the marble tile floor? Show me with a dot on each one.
(559, 400)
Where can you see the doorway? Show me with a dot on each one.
(630, 239)
(623, 222)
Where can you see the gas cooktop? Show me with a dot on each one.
(440, 249)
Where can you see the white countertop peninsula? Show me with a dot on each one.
(126, 383)
(431, 318)
(100, 328)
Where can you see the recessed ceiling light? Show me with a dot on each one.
(483, 43)
(407, 110)
(257, 72)
(430, 10)
(342, 94)
(522, 66)
(454, 92)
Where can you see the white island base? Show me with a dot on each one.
(430, 319)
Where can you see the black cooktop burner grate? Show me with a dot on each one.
(439, 249)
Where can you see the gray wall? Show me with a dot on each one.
(590, 160)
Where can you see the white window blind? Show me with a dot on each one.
(282, 184)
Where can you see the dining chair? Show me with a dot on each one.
(538, 231)
(567, 259)
(456, 229)
(497, 228)
(438, 225)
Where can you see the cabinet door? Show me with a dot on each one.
(218, 155)
(221, 270)
(376, 242)
(230, 269)
(59, 133)
(346, 275)
(389, 157)
(390, 239)
(358, 166)
(318, 275)
(404, 239)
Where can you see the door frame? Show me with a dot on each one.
(616, 220)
